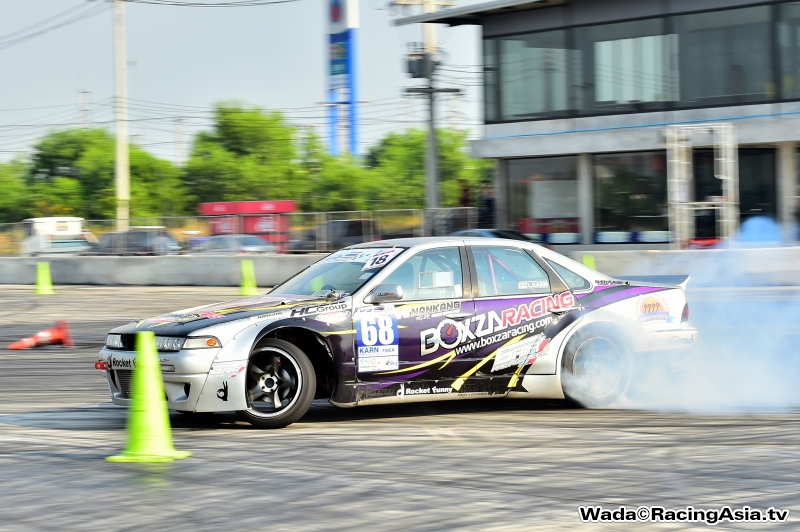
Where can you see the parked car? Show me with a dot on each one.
(410, 320)
(236, 244)
(62, 235)
(136, 242)
(333, 235)
(493, 233)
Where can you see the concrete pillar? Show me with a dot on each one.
(586, 198)
(501, 193)
(787, 187)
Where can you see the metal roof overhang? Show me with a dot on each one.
(456, 16)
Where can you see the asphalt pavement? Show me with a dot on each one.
(471, 465)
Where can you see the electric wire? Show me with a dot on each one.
(6, 42)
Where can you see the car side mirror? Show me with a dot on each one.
(384, 293)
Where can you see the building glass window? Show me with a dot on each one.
(534, 74)
(725, 57)
(789, 49)
(490, 80)
(630, 197)
(627, 66)
(757, 187)
(543, 198)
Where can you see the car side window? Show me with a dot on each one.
(573, 280)
(508, 271)
(431, 274)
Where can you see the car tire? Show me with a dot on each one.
(277, 370)
(595, 368)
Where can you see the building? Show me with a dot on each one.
(578, 93)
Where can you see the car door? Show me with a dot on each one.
(430, 323)
(515, 300)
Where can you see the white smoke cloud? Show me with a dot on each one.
(746, 305)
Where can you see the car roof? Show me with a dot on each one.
(456, 240)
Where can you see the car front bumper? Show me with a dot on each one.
(184, 374)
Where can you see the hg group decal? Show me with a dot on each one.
(451, 334)
(378, 342)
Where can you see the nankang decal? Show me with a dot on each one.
(427, 311)
(491, 327)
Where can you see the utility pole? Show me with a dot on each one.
(121, 166)
(178, 141)
(83, 108)
(422, 64)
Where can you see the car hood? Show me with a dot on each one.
(184, 322)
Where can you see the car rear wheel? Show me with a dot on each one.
(595, 368)
(280, 385)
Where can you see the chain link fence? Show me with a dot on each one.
(271, 233)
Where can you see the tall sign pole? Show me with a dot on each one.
(342, 73)
(121, 165)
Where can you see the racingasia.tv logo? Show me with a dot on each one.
(449, 334)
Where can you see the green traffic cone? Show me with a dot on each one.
(44, 284)
(249, 287)
(149, 433)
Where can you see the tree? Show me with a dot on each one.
(72, 172)
(249, 155)
(400, 157)
(12, 192)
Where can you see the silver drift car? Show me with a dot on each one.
(410, 320)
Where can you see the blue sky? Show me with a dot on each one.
(183, 59)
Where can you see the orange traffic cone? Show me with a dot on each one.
(57, 335)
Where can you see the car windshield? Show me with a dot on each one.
(341, 273)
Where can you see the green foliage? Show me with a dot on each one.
(12, 192)
(72, 172)
(400, 158)
(250, 154)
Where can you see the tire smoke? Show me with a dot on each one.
(748, 316)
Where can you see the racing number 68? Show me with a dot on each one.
(377, 329)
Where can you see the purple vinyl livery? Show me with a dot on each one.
(412, 320)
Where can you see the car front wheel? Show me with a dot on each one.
(280, 385)
(595, 368)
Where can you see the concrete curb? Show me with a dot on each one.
(185, 270)
(708, 267)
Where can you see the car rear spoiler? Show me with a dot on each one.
(664, 280)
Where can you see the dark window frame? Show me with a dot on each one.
(668, 25)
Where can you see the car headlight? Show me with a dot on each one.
(114, 341)
(168, 343)
(202, 342)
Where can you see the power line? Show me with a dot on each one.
(7, 41)
(45, 21)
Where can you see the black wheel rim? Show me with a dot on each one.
(273, 382)
(598, 368)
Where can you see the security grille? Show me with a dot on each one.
(125, 382)
(680, 181)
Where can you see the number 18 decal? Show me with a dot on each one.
(378, 343)
(380, 258)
